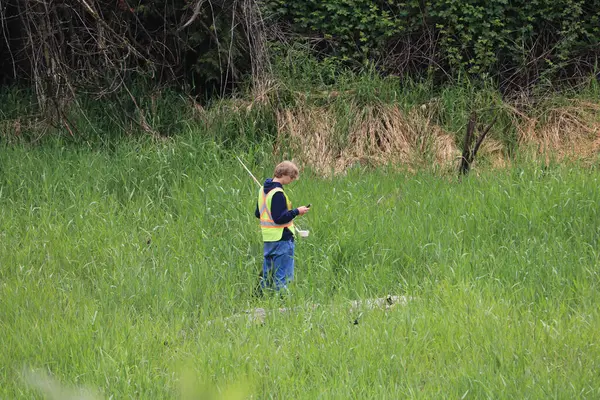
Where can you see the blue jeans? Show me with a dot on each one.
(278, 265)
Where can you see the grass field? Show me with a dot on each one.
(120, 268)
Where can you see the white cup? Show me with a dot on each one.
(303, 233)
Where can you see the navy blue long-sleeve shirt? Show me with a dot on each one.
(279, 210)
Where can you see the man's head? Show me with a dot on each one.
(286, 172)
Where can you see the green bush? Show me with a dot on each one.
(516, 43)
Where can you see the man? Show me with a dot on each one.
(276, 215)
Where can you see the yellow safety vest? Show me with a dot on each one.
(271, 231)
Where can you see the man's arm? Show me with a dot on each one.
(279, 211)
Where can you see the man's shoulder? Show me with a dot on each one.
(276, 190)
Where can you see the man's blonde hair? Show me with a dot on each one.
(286, 168)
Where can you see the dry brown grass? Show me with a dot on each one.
(565, 132)
(331, 141)
(373, 135)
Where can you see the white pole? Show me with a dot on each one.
(246, 168)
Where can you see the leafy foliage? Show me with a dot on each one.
(354, 29)
(517, 42)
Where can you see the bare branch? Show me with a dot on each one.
(197, 9)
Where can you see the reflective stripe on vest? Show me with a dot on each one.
(271, 231)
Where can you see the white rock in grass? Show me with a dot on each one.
(382, 302)
(259, 315)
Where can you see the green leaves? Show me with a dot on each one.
(494, 37)
(355, 29)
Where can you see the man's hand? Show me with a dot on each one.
(303, 210)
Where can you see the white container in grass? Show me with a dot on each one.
(302, 233)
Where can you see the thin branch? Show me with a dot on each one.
(482, 136)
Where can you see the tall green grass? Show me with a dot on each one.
(121, 265)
